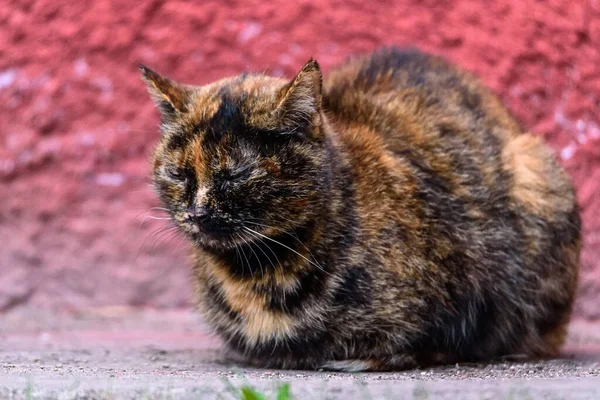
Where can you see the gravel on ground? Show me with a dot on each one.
(119, 353)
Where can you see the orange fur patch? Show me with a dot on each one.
(538, 184)
(260, 324)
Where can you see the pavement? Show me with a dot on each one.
(121, 353)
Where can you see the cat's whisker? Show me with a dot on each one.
(158, 218)
(287, 247)
(135, 191)
(247, 261)
(249, 243)
(294, 235)
(160, 239)
(177, 235)
(132, 130)
(172, 235)
(268, 247)
(157, 231)
(237, 254)
(165, 239)
(150, 210)
(147, 217)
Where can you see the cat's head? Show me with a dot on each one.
(241, 157)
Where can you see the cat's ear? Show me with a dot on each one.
(171, 98)
(300, 102)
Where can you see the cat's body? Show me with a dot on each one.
(397, 217)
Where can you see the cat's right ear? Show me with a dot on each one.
(301, 100)
(171, 98)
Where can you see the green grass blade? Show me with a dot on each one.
(250, 394)
(284, 392)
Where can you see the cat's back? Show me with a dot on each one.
(414, 94)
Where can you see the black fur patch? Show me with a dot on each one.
(355, 289)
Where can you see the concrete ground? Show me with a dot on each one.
(119, 353)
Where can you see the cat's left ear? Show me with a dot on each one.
(171, 98)
(300, 104)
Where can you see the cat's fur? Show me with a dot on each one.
(393, 216)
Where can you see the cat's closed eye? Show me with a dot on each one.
(175, 174)
(236, 174)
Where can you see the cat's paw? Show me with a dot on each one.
(346, 366)
(390, 363)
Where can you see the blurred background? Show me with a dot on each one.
(77, 224)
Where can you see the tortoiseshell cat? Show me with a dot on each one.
(393, 216)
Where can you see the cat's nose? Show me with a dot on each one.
(200, 214)
(207, 220)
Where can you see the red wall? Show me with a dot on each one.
(77, 127)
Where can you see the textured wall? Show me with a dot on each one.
(77, 127)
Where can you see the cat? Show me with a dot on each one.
(391, 216)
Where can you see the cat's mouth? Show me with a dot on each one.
(216, 234)
(219, 232)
